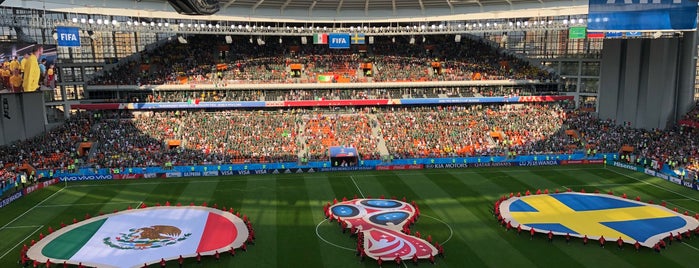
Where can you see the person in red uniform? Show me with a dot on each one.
(415, 259)
(656, 247)
(162, 262)
(601, 241)
(672, 238)
(550, 236)
(180, 261)
(567, 237)
(620, 242)
(532, 232)
(398, 260)
(379, 261)
(585, 240)
(637, 245)
(519, 228)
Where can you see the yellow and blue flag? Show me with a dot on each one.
(357, 39)
(594, 216)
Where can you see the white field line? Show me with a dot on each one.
(656, 186)
(23, 227)
(256, 177)
(20, 242)
(355, 185)
(32, 208)
(83, 204)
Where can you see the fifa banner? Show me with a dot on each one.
(339, 40)
(642, 15)
(138, 237)
(68, 36)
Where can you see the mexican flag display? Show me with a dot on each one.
(320, 38)
(133, 238)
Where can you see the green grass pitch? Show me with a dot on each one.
(286, 212)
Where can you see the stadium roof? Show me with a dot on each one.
(325, 11)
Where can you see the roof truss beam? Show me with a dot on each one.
(366, 8)
(286, 4)
(256, 5)
(339, 7)
(229, 3)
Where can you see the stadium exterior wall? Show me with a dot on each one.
(642, 82)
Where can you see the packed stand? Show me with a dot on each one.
(323, 131)
(207, 60)
(412, 132)
(242, 136)
(340, 94)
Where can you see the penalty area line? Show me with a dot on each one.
(20, 242)
(83, 204)
(23, 227)
(32, 208)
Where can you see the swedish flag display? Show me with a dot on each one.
(357, 39)
(594, 216)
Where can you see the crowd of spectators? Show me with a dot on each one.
(692, 117)
(325, 130)
(242, 136)
(211, 61)
(473, 130)
(7, 178)
(339, 94)
(126, 138)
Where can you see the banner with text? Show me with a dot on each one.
(68, 36)
(642, 15)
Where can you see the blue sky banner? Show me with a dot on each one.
(339, 40)
(642, 15)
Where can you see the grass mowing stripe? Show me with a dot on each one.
(508, 181)
(2, 257)
(562, 180)
(396, 187)
(293, 222)
(260, 205)
(469, 229)
(30, 209)
(358, 189)
(653, 185)
(195, 191)
(480, 208)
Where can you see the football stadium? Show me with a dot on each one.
(373, 133)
